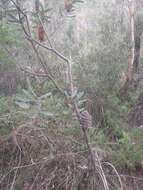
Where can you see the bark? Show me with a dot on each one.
(137, 51)
(123, 93)
(132, 29)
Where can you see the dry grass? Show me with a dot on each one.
(33, 158)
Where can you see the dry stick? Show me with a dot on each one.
(36, 177)
(50, 144)
(15, 175)
(34, 164)
(119, 178)
(53, 50)
(43, 75)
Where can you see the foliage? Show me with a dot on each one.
(5, 111)
(99, 60)
(9, 34)
(129, 152)
(9, 37)
(101, 64)
(125, 152)
(4, 104)
(3, 57)
(46, 106)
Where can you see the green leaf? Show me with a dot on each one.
(23, 105)
(66, 94)
(28, 94)
(49, 114)
(80, 95)
(22, 99)
(81, 102)
(45, 95)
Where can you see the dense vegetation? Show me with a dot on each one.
(71, 99)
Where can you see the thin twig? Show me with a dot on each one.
(15, 175)
(119, 178)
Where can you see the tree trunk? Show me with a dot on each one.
(123, 92)
(132, 29)
(137, 49)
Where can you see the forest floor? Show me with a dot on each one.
(53, 158)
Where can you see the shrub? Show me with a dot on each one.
(129, 152)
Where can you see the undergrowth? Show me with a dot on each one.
(51, 153)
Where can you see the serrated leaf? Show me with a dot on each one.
(22, 99)
(45, 95)
(23, 105)
(28, 94)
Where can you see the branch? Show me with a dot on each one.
(44, 75)
(32, 41)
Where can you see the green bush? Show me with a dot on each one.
(129, 152)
